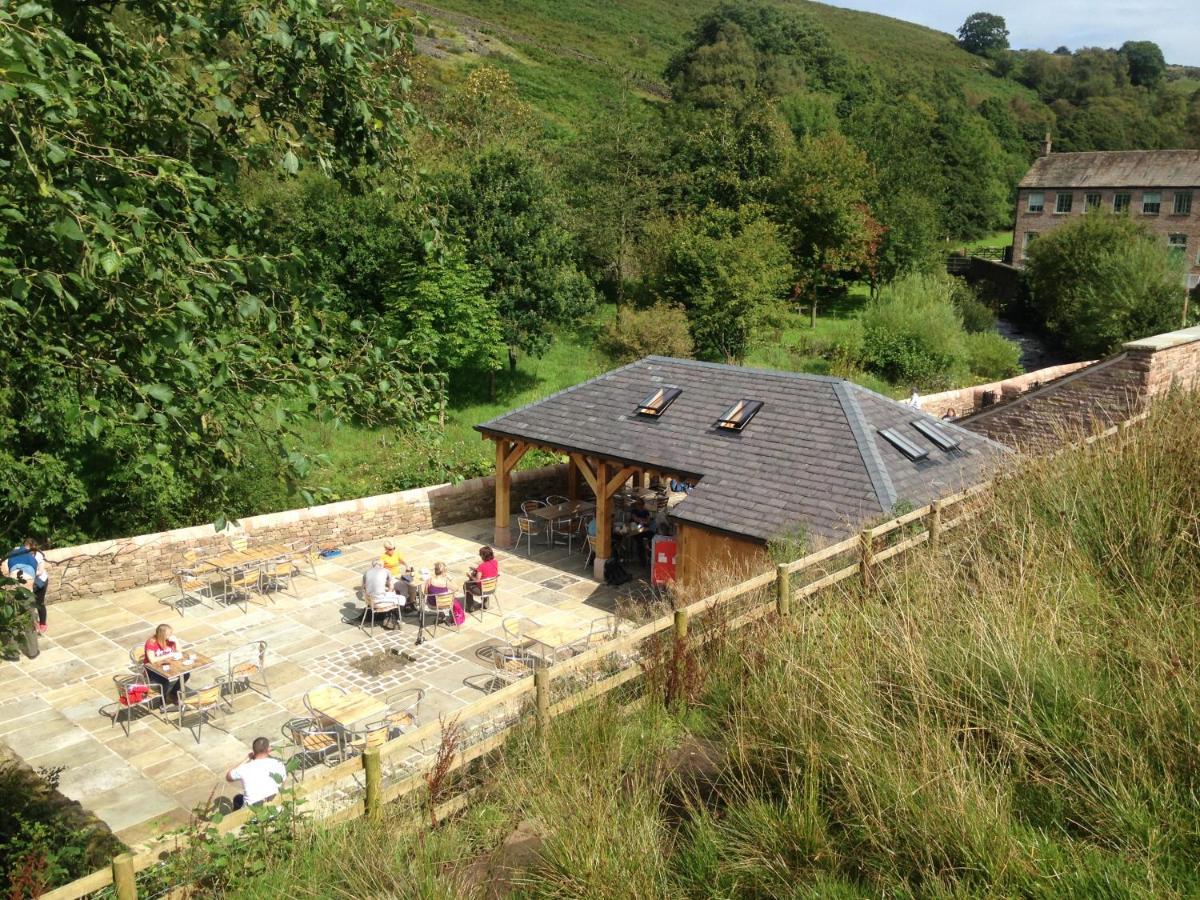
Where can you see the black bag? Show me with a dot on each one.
(615, 574)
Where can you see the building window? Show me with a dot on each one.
(1183, 203)
(1151, 203)
(1026, 240)
(1120, 202)
(1177, 243)
(1062, 203)
(1037, 202)
(657, 401)
(1093, 201)
(739, 415)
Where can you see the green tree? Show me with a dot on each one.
(913, 334)
(983, 33)
(729, 269)
(508, 214)
(1145, 60)
(1100, 280)
(148, 343)
(820, 202)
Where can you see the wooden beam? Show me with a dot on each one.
(503, 536)
(614, 484)
(572, 479)
(512, 458)
(588, 475)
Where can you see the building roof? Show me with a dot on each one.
(1115, 169)
(812, 455)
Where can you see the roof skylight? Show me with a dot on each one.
(739, 415)
(903, 444)
(657, 401)
(941, 438)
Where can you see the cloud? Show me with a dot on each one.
(1172, 24)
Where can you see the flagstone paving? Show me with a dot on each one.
(57, 710)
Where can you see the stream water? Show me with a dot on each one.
(1035, 352)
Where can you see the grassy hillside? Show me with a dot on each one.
(1014, 714)
(571, 51)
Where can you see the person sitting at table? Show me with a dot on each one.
(391, 559)
(439, 584)
(489, 567)
(640, 516)
(261, 775)
(161, 648)
(377, 593)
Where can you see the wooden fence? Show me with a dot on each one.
(860, 554)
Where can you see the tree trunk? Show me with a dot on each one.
(812, 313)
(492, 384)
(512, 360)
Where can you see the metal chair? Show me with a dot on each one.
(202, 702)
(137, 693)
(530, 505)
(192, 586)
(510, 664)
(591, 554)
(443, 604)
(306, 555)
(371, 737)
(557, 500)
(248, 665)
(404, 709)
(601, 631)
(280, 575)
(528, 529)
(487, 594)
(239, 583)
(311, 740)
(389, 603)
(513, 630)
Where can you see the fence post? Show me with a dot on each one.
(867, 550)
(124, 878)
(783, 590)
(374, 776)
(935, 524)
(681, 624)
(541, 683)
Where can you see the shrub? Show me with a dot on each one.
(1101, 280)
(661, 329)
(977, 316)
(913, 334)
(991, 356)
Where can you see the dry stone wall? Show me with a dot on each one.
(124, 563)
(1097, 396)
(964, 401)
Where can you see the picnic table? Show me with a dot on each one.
(563, 510)
(174, 669)
(352, 707)
(241, 559)
(552, 637)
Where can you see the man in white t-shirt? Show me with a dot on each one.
(261, 775)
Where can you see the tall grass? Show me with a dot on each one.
(1013, 714)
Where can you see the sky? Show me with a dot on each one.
(1172, 24)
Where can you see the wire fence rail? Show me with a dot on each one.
(864, 549)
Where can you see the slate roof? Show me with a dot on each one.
(1115, 169)
(811, 456)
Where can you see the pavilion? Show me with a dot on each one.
(769, 453)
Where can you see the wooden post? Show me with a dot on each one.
(572, 479)
(935, 524)
(124, 878)
(603, 520)
(783, 590)
(503, 535)
(374, 777)
(681, 624)
(541, 684)
(867, 548)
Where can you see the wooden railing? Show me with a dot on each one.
(863, 549)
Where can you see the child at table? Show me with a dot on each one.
(159, 649)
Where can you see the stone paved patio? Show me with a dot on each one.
(54, 710)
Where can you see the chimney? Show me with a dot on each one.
(1046, 145)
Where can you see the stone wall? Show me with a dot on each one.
(964, 401)
(1095, 397)
(117, 565)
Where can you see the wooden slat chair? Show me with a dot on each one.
(385, 605)
(137, 693)
(202, 703)
(487, 594)
(239, 585)
(193, 588)
(443, 605)
(312, 741)
(530, 505)
(404, 711)
(280, 575)
(510, 664)
(591, 545)
(528, 529)
(371, 737)
(247, 665)
(306, 556)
